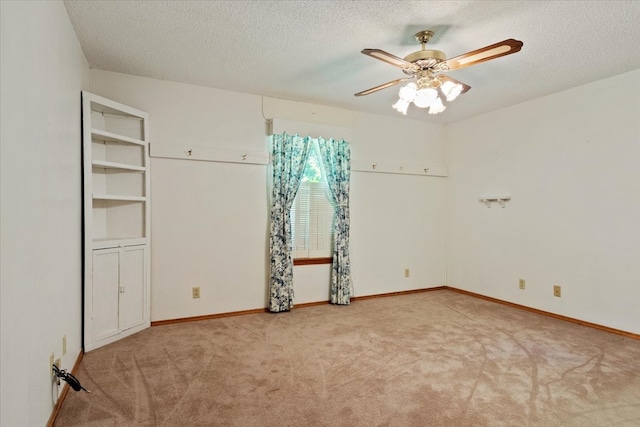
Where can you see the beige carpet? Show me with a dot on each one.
(429, 359)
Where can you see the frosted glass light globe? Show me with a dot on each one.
(425, 97)
(408, 92)
(437, 107)
(401, 106)
(451, 90)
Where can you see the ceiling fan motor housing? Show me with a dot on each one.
(426, 58)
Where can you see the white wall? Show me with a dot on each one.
(397, 221)
(209, 225)
(571, 162)
(42, 73)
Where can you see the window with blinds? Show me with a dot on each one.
(312, 213)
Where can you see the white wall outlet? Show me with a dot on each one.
(407, 272)
(195, 292)
(521, 284)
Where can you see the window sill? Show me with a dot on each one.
(312, 261)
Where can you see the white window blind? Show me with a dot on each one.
(312, 214)
(312, 222)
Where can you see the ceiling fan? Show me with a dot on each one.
(425, 68)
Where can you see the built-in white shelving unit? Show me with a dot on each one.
(116, 220)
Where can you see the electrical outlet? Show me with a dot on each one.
(407, 272)
(557, 291)
(196, 292)
(64, 345)
(58, 364)
(521, 284)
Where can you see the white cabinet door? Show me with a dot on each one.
(106, 279)
(132, 280)
(119, 300)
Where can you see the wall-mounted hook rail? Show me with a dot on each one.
(400, 168)
(501, 200)
(208, 153)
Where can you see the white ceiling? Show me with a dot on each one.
(310, 50)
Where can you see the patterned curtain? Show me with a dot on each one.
(288, 159)
(336, 162)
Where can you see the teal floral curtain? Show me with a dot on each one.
(288, 159)
(336, 162)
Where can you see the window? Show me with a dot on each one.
(312, 213)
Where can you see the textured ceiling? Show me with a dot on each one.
(310, 50)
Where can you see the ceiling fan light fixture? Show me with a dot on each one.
(425, 97)
(451, 90)
(401, 106)
(424, 68)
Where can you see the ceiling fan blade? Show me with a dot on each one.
(506, 47)
(465, 87)
(391, 59)
(383, 86)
